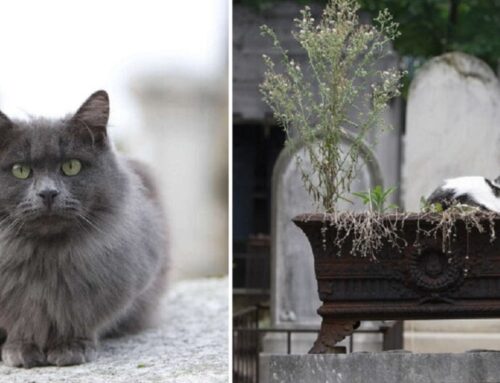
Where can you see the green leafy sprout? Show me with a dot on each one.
(427, 207)
(377, 198)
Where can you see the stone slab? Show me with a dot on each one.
(452, 125)
(386, 367)
(189, 346)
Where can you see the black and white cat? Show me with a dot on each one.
(472, 191)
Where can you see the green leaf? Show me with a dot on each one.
(438, 207)
(376, 198)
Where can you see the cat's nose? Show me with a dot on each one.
(48, 196)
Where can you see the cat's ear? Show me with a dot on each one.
(495, 188)
(5, 129)
(5, 122)
(92, 117)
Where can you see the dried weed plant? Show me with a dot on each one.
(340, 89)
(369, 232)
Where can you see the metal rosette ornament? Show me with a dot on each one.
(432, 271)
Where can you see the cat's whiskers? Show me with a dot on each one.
(84, 228)
(90, 223)
(12, 225)
(19, 223)
(19, 228)
(10, 221)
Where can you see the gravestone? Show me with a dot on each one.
(452, 125)
(294, 296)
(452, 130)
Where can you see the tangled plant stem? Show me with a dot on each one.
(369, 232)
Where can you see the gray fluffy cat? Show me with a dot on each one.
(82, 250)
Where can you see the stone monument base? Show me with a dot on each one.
(475, 366)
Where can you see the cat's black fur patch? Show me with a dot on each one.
(494, 188)
(443, 196)
(448, 197)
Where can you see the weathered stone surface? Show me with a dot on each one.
(452, 125)
(393, 367)
(189, 346)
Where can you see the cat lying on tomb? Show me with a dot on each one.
(471, 191)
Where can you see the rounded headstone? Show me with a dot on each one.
(452, 125)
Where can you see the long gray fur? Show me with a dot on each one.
(91, 265)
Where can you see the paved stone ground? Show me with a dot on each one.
(189, 346)
(476, 366)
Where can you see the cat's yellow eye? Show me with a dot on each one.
(71, 167)
(21, 171)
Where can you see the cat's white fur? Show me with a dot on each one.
(477, 188)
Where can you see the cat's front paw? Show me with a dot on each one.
(71, 353)
(18, 354)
